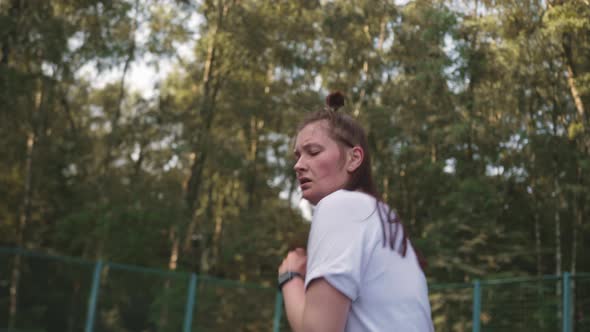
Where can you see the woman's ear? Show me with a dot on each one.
(356, 156)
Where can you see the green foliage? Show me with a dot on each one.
(478, 139)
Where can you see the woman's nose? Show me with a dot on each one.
(299, 165)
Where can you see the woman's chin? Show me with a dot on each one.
(312, 199)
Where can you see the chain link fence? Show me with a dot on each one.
(64, 294)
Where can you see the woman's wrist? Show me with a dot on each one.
(288, 276)
(295, 285)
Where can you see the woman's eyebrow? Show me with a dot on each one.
(307, 147)
(311, 145)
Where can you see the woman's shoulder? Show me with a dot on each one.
(347, 197)
(347, 204)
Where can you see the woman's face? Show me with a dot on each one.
(321, 163)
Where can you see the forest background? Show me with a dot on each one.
(159, 133)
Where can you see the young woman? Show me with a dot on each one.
(359, 272)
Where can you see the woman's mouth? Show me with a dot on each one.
(303, 182)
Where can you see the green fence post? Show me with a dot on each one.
(93, 297)
(278, 312)
(566, 294)
(190, 303)
(476, 305)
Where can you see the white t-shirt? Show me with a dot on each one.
(345, 247)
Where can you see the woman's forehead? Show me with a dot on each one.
(315, 131)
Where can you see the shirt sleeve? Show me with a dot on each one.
(335, 246)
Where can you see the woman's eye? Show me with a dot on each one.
(314, 153)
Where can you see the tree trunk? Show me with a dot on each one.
(24, 220)
(255, 126)
(222, 198)
(25, 213)
(577, 225)
(469, 168)
(172, 264)
(537, 241)
(206, 113)
(571, 78)
(385, 194)
(557, 194)
(557, 224)
(209, 89)
(535, 196)
(210, 86)
(205, 265)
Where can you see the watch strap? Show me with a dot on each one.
(285, 277)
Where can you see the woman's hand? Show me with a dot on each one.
(296, 261)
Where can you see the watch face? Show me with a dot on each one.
(285, 277)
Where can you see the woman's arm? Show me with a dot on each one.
(320, 308)
(326, 308)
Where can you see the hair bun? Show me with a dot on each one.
(335, 100)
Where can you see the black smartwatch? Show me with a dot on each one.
(286, 277)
